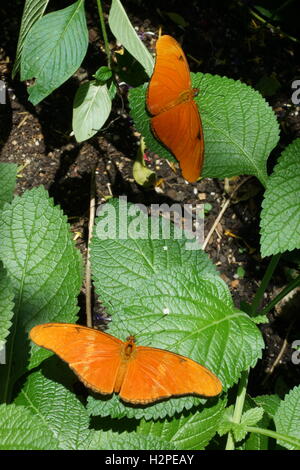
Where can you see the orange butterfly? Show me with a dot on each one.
(170, 100)
(139, 374)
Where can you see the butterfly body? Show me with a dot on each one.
(175, 117)
(139, 374)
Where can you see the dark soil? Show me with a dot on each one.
(221, 38)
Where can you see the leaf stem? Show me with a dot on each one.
(103, 29)
(275, 435)
(264, 283)
(239, 405)
(281, 295)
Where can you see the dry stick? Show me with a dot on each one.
(280, 354)
(88, 284)
(222, 212)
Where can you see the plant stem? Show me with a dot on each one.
(239, 405)
(264, 283)
(103, 29)
(275, 435)
(281, 295)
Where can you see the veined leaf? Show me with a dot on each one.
(6, 310)
(191, 431)
(50, 400)
(45, 272)
(8, 174)
(280, 220)
(169, 299)
(33, 11)
(54, 49)
(92, 106)
(20, 430)
(118, 259)
(240, 128)
(125, 33)
(287, 418)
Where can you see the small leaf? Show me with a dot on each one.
(252, 417)
(141, 173)
(225, 424)
(240, 128)
(21, 430)
(54, 49)
(280, 221)
(125, 33)
(33, 11)
(92, 106)
(8, 174)
(269, 403)
(287, 418)
(103, 74)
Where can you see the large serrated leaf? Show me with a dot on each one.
(33, 11)
(46, 394)
(240, 128)
(191, 431)
(92, 106)
(45, 272)
(118, 261)
(125, 33)
(280, 220)
(8, 174)
(54, 49)
(287, 418)
(110, 440)
(21, 430)
(199, 325)
(6, 309)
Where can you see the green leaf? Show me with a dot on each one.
(225, 424)
(45, 272)
(140, 281)
(8, 174)
(33, 11)
(117, 261)
(287, 418)
(269, 403)
(20, 430)
(110, 440)
(280, 221)
(252, 416)
(191, 431)
(51, 400)
(125, 33)
(255, 441)
(240, 128)
(6, 308)
(92, 106)
(54, 49)
(103, 74)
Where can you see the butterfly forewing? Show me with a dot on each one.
(171, 75)
(156, 374)
(175, 117)
(93, 355)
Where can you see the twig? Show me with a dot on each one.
(221, 213)
(280, 354)
(88, 284)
